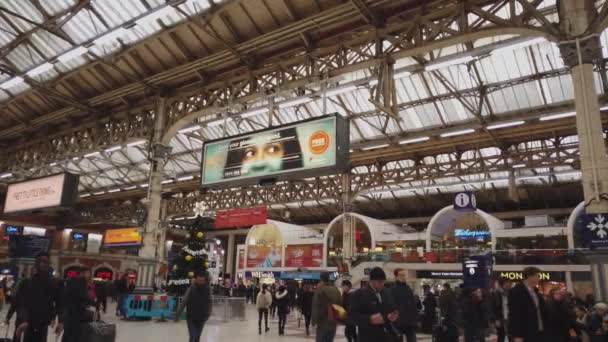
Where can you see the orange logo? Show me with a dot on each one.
(318, 142)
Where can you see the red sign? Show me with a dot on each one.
(262, 256)
(240, 217)
(304, 256)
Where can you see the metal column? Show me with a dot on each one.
(348, 227)
(580, 51)
(152, 230)
(229, 256)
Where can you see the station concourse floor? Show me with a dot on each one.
(237, 330)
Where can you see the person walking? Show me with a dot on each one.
(527, 310)
(324, 296)
(273, 306)
(101, 291)
(474, 317)
(448, 307)
(77, 299)
(597, 327)
(262, 302)
(560, 319)
(372, 311)
(581, 324)
(429, 316)
(350, 330)
(197, 300)
(122, 291)
(402, 297)
(39, 303)
(282, 308)
(499, 308)
(305, 299)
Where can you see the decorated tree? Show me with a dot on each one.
(193, 258)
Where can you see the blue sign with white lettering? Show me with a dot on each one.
(465, 201)
(465, 234)
(595, 231)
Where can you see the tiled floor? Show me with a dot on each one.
(237, 330)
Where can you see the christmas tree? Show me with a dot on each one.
(192, 259)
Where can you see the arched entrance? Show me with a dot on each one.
(334, 239)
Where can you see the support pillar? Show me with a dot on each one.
(229, 256)
(348, 226)
(152, 244)
(580, 52)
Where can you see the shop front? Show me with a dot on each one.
(262, 277)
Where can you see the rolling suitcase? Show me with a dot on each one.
(99, 331)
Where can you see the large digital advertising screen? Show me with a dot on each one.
(48, 192)
(314, 147)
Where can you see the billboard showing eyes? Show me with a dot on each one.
(295, 150)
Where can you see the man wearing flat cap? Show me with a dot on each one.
(372, 311)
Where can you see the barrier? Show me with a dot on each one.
(228, 308)
(142, 306)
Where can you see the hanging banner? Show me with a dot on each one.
(48, 192)
(262, 256)
(304, 256)
(595, 231)
(240, 217)
(303, 149)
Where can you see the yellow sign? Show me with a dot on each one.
(122, 237)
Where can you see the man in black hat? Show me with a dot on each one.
(371, 310)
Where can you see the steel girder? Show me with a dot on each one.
(386, 177)
(424, 31)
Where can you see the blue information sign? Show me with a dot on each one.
(595, 231)
(465, 201)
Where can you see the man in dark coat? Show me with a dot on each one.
(372, 311)
(198, 302)
(527, 311)
(324, 296)
(448, 306)
(39, 302)
(499, 308)
(429, 316)
(350, 330)
(402, 297)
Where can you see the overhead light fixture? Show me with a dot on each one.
(185, 178)
(456, 133)
(189, 129)
(218, 122)
(167, 181)
(99, 193)
(373, 82)
(6, 175)
(518, 166)
(85, 195)
(341, 90)
(111, 36)
(155, 15)
(53, 164)
(505, 125)
(93, 154)
(448, 62)
(113, 190)
(413, 140)
(557, 116)
(373, 147)
(12, 82)
(254, 112)
(130, 187)
(75, 158)
(42, 68)
(112, 149)
(136, 143)
(520, 45)
(72, 54)
(143, 185)
(295, 102)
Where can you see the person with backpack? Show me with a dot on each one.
(325, 296)
(282, 308)
(263, 302)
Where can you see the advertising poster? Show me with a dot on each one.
(240, 217)
(94, 243)
(304, 256)
(122, 237)
(262, 256)
(302, 146)
(241, 259)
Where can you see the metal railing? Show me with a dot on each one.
(228, 308)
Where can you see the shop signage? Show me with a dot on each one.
(439, 274)
(465, 201)
(262, 274)
(308, 148)
(240, 217)
(595, 231)
(28, 246)
(48, 192)
(263, 256)
(103, 273)
(13, 230)
(465, 234)
(122, 237)
(304, 255)
(517, 276)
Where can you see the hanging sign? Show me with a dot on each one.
(465, 201)
(122, 237)
(240, 217)
(595, 231)
(48, 192)
(477, 272)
